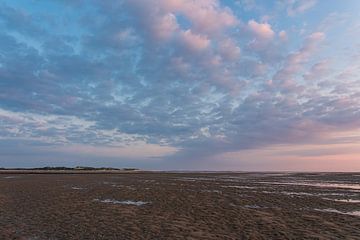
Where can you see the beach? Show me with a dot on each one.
(180, 205)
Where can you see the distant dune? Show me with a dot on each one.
(66, 170)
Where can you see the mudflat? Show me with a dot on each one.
(168, 205)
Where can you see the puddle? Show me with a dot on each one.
(125, 202)
(277, 174)
(268, 192)
(317, 184)
(252, 206)
(212, 191)
(147, 181)
(77, 188)
(10, 177)
(298, 193)
(109, 183)
(330, 210)
(240, 187)
(194, 179)
(343, 200)
(230, 178)
(316, 194)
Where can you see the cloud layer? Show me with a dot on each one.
(191, 80)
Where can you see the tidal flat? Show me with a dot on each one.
(180, 205)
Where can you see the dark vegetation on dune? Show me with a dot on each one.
(77, 168)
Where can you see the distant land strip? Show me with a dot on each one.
(67, 170)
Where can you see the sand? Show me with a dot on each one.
(145, 205)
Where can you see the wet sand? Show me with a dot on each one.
(145, 205)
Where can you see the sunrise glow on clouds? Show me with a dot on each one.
(181, 84)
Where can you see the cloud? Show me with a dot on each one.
(229, 50)
(197, 32)
(248, 5)
(294, 63)
(191, 80)
(194, 42)
(299, 6)
(206, 16)
(261, 31)
(318, 70)
(283, 36)
(22, 21)
(59, 129)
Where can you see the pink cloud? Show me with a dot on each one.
(310, 44)
(261, 31)
(179, 65)
(283, 36)
(295, 61)
(316, 37)
(299, 6)
(164, 26)
(318, 70)
(194, 42)
(207, 16)
(229, 50)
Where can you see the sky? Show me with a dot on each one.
(181, 84)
